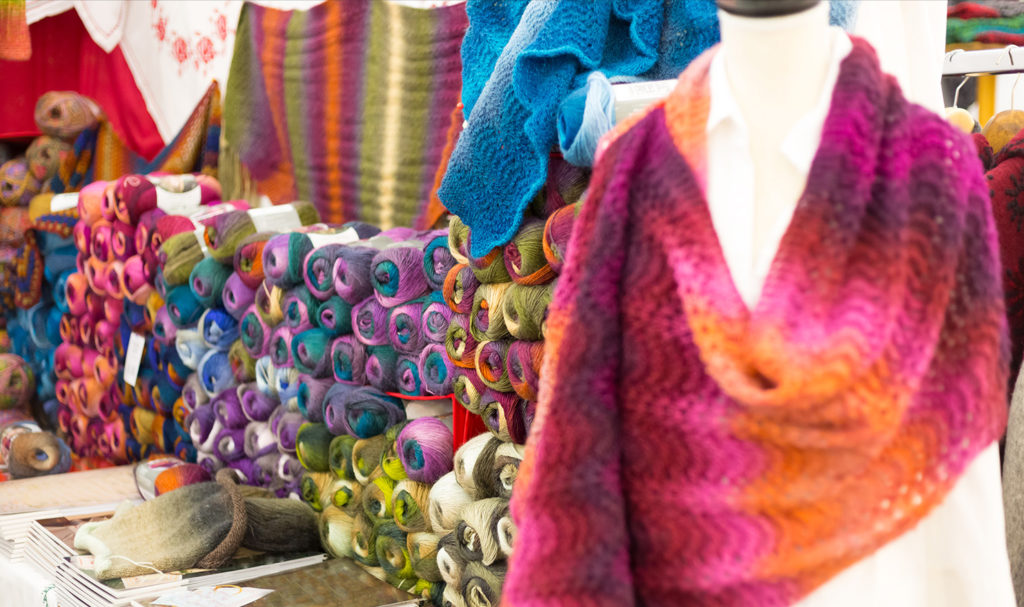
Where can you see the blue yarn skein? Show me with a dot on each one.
(219, 328)
(215, 374)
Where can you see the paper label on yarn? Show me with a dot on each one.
(133, 357)
(213, 596)
(149, 579)
(428, 408)
(179, 203)
(275, 219)
(63, 202)
(345, 237)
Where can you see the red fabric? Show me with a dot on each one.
(997, 37)
(65, 58)
(1006, 187)
(972, 10)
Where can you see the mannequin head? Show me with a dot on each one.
(765, 8)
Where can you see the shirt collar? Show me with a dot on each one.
(801, 143)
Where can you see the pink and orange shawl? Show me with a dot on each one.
(690, 451)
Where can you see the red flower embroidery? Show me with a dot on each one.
(222, 27)
(180, 50)
(161, 29)
(205, 49)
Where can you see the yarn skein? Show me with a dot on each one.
(381, 368)
(459, 342)
(335, 315)
(425, 448)
(407, 375)
(392, 551)
(460, 288)
(557, 232)
(436, 317)
(524, 360)
(366, 457)
(486, 319)
(348, 359)
(255, 334)
(410, 503)
(370, 322)
(311, 352)
(524, 255)
(352, 281)
(492, 365)
(340, 457)
(468, 389)
(397, 274)
(311, 396)
(524, 310)
(437, 260)
(447, 501)
(405, 327)
(465, 461)
(360, 411)
(436, 370)
(504, 414)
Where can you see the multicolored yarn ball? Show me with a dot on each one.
(366, 457)
(255, 334)
(311, 352)
(299, 307)
(348, 360)
(458, 239)
(460, 289)
(557, 232)
(340, 458)
(405, 327)
(459, 342)
(435, 319)
(335, 315)
(313, 444)
(17, 383)
(237, 296)
(207, 281)
(311, 395)
(180, 476)
(248, 262)
(17, 183)
(407, 375)
(352, 278)
(381, 366)
(524, 310)
(410, 503)
(65, 114)
(505, 415)
(397, 274)
(524, 361)
(425, 448)
(360, 411)
(437, 259)
(183, 307)
(392, 551)
(492, 365)
(436, 370)
(524, 255)
(226, 232)
(370, 322)
(486, 319)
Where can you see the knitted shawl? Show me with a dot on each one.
(690, 451)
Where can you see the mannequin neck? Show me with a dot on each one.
(776, 66)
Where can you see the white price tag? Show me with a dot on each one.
(179, 203)
(133, 357)
(345, 237)
(275, 219)
(63, 202)
(200, 233)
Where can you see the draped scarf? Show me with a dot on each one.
(690, 450)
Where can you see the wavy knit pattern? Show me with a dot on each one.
(345, 105)
(787, 441)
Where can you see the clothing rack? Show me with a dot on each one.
(634, 96)
(1008, 60)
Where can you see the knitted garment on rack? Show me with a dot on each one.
(689, 451)
(100, 154)
(1006, 188)
(520, 60)
(346, 105)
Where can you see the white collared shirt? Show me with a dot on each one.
(956, 556)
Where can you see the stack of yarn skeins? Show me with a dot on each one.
(373, 496)
(111, 296)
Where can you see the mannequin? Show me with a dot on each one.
(780, 71)
(776, 69)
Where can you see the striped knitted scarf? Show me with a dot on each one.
(347, 105)
(690, 451)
